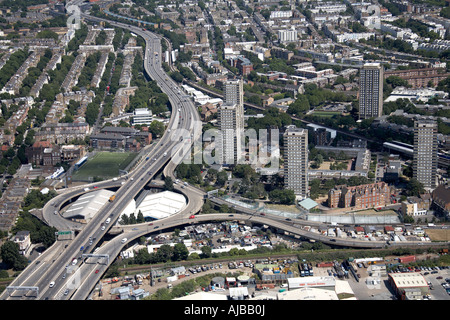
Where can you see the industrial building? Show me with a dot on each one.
(409, 285)
(85, 207)
(161, 205)
(307, 293)
(315, 282)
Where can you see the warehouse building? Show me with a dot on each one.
(204, 296)
(409, 285)
(161, 205)
(308, 293)
(312, 282)
(86, 206)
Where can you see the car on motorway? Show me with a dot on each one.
(150, 224)
(156, 227)
(66, 292)
(97, 271)
(51, 284)
(103, 228)
(124, 240)
(192, 217)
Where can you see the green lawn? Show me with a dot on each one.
(104, 165)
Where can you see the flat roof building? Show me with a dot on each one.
(142, 116)
(409, 285)
(425, 154)
(296, 160)
(161, 205)
(86, 206)
(371, 91)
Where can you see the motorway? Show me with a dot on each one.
(171, 148)
(77, 281)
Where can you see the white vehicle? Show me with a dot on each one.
(108, 220)
(124, 240)
(165, 154)
(56, 212)
(74, 262)
(86, 189)
(103, 228)
(52, 284)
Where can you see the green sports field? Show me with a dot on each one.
(104, 165)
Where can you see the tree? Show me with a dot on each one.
(396, 81)
(156, 128)
(414, 188)
(142, 257)
(140, 217)
(165, 253)
(206, 252)
(180, 252)
(285, 196)
(168, 183)
(11, 257)
(222, 177)
(177, 76)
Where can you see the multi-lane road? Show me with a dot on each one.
(50, 274)
(59, 273)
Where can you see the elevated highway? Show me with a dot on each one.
(184, 120)
(66, 264)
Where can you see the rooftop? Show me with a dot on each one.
(162, 204)
(408, 280)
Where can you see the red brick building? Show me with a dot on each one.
(43, 153)
(420, 78)
(359, 197)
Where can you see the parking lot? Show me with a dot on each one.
(437, 279)
(368, 289)
(365, 284)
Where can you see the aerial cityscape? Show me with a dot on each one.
(225, 150)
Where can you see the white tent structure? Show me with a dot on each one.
(161, 205)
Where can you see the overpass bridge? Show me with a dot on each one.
(53, 266)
